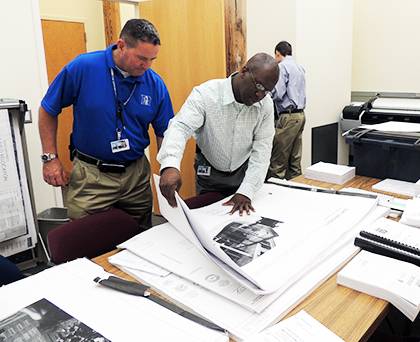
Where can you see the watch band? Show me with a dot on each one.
(46, 157)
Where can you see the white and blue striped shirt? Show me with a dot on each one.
(227, 132)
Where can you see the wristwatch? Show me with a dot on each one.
(46, 157)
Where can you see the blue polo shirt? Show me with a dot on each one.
(86, 83)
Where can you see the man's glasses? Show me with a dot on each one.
(258, 86)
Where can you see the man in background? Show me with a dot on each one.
(115, 97)
(289, 99)
(232, 122)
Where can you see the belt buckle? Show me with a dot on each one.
(112, 168)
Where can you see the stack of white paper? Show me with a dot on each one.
(331, 173)
(306, 250)
(392, 280)
(232, 313)
(118, 316)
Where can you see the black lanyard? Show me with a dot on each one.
(120, 104)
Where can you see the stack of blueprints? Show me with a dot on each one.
(247, 272)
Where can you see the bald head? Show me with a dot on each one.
(264, 68)
(257, 78)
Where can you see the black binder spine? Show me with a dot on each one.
(388, 251)
(389, 242)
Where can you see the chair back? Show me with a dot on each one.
(91, 235)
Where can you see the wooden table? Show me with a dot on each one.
(352, 315)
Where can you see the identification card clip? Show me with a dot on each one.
(120, 145)
(203, 170)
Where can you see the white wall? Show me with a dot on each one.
(128, 11)
(321, 35)
(324, 48)
(269, 22)
(24, 76)
(386, 49)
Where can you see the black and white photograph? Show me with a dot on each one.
(244, 242)
(42, 321)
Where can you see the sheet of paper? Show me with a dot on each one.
(395, 127)
(396, 187)
(29, 239)
(127, 259)
(117, 316)
(301, 327)
(165, 246)
(239, 321)
(396, 104)
(12, 212)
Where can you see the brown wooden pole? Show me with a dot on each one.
(235, 34)
(112, 21)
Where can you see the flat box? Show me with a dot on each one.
(385, 155)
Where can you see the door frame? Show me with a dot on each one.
(57, 191)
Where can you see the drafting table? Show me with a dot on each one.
(352, 315)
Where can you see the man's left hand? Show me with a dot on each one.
(241, 203)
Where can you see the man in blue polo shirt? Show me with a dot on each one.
(115, 96)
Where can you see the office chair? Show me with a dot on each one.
(204, 199)
(91, 235)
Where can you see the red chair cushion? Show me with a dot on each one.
(204, 199)
(91, 235)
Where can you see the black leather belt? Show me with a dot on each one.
(103, 166)
(290, 111)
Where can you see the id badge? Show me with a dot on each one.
(203, 170)
(120, 145)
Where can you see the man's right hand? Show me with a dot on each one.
(170, 181)
(54, 173)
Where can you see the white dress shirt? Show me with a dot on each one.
(227, 132)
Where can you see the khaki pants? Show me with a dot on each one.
(287, 146)
(91, 190)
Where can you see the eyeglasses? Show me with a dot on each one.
(258, 86)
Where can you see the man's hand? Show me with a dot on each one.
(241, 203)
(54, 173)
(170, 181)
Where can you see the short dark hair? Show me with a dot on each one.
(284, 48)
(136, 30)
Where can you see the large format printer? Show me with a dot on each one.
(383, 154)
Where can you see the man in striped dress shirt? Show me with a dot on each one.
(232, 122)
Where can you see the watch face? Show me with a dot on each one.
(46, 157)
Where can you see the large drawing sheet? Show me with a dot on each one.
(118, 316)
(277, 245)
(17, 228)
(12, 213)
(239, 321)
(179, 220)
